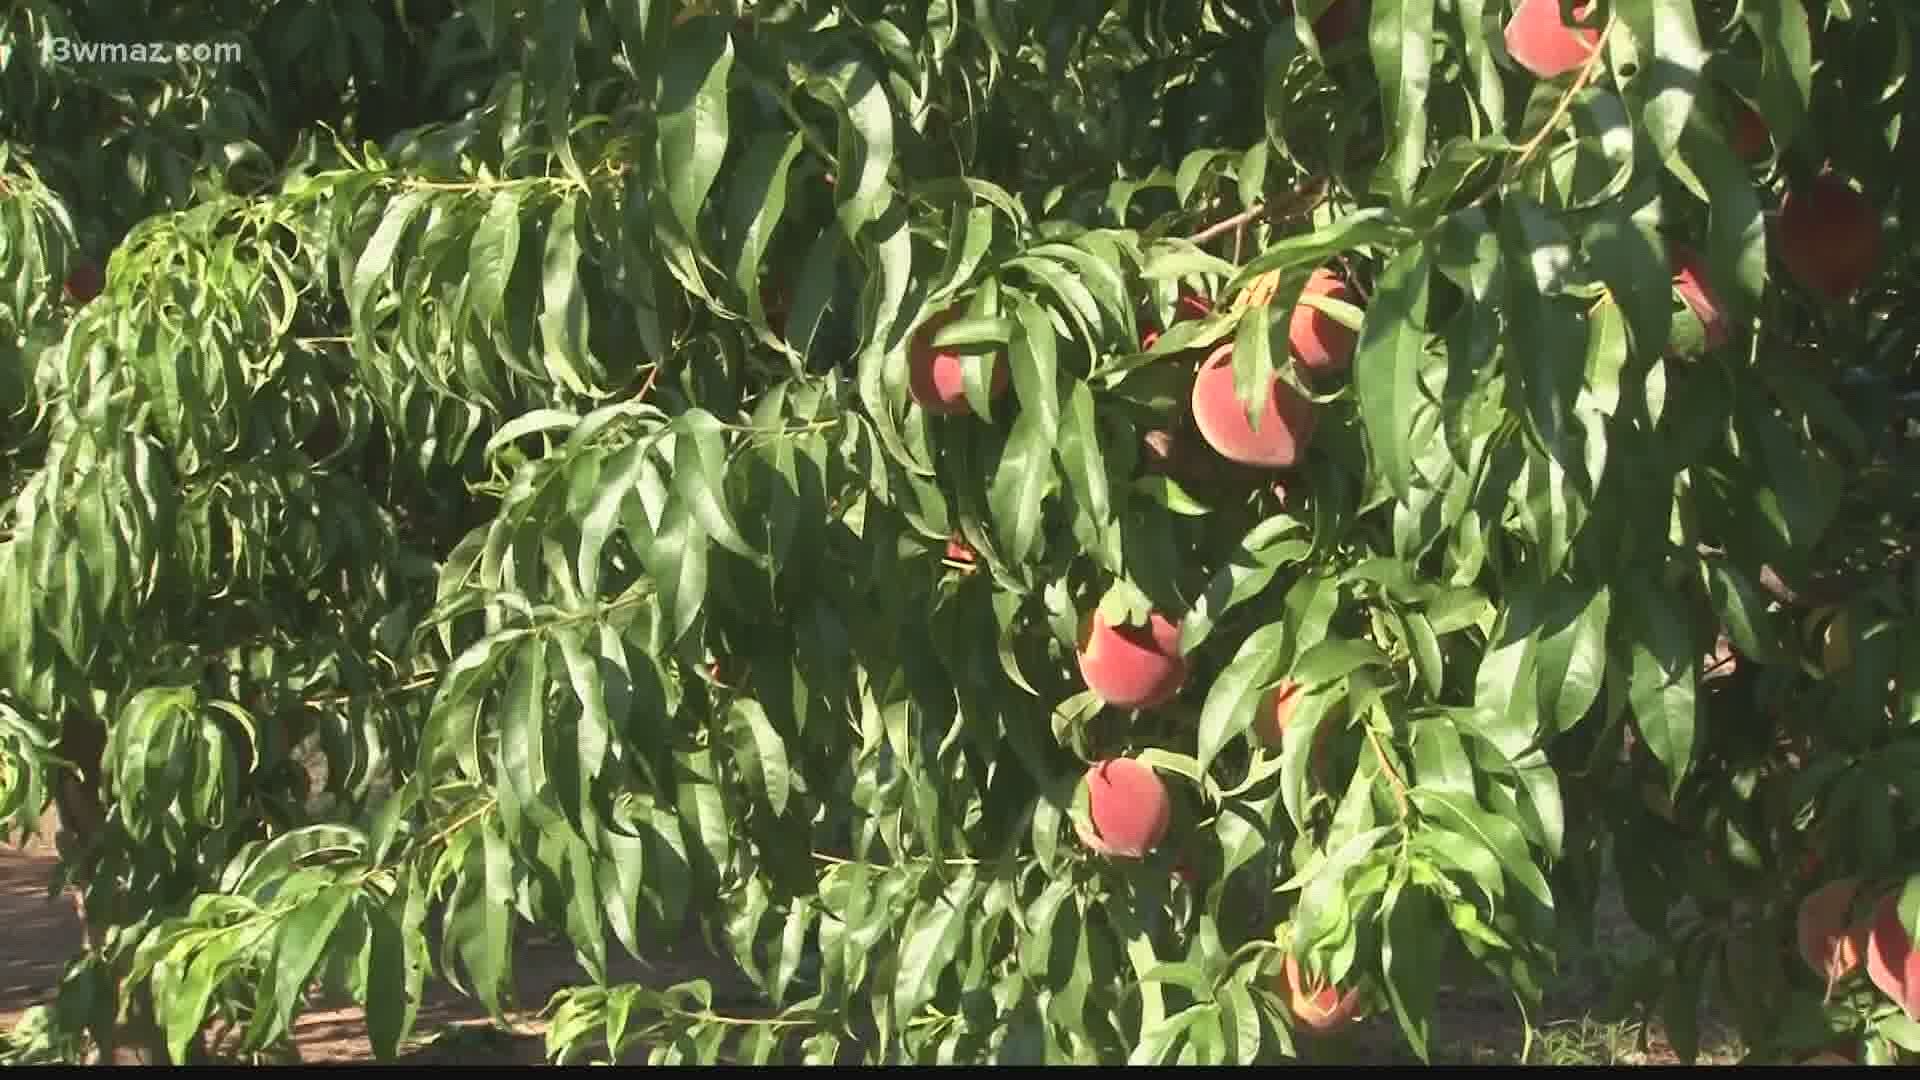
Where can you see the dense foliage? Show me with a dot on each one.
(661, 466)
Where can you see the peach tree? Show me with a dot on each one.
(1041, 533)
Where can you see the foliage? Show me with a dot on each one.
(508, 403)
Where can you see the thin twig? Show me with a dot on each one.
(1560, 108)
(1230, 224)
(1399, 785)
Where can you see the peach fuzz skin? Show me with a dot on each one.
(1133, 667)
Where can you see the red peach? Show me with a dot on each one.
(1320, 342)
(1319, 1007)
(1130, 808)
(1285, 427)
(1545, 46)
(1690, 281)
(1892, 963)
(1190, 305)
(776, 303)
(935, 377)
(1341, 18)
(1133, 667)
(84, 282)
(1829, 237)
(1750, 137)
(958, 550)
(1828, 943)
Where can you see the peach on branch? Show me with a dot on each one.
(961, 552)
(1191, 305)
(1321, 343)
(1286, 422)
(1690, 281)
(1130, 808)
(1749, 137)
(1829, 943)
(777, 303)
(1132, 667)
(1829, 237)
(1316, 1005)
(84, 282)
(1547, 47)
(936, 376)
(1892, 963)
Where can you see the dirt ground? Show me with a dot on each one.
(38, 935)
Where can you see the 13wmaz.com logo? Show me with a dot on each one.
(62, 50)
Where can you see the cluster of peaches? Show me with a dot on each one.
(1833, 944)
(1828, 233)
(1139, 667)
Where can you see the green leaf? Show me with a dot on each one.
(564, 329)
(184, 1011)
(1248, 571)
(1479, 30)
(376, 259)
(1400, 38)
(1663, 682)
(866, 145)
(1235, 694)
(1020, 484)
(699, 480)
(491, 256)
(1669, 58)
(301, 940)
(1742, 608)
(1387, 363)
(1411, 952)
(1786, 64)
(757, 202)
(1081, 457)
(388, 1015)
(1035, 368)
(692, 119)
(929, 943)
(769, 750)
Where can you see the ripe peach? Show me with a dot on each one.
(1892, 963)
(84, 282)
(1133, 667)
(1829, 237)
(935, 376)
(959, 551)
(1322, 345)
(1341, 18)
(776, 302)
(1276, 708)
(1286, 425)
(1319, 1007)
(1828, 943)
(1130, 808)
(1750, 137)
(1690, 281)
(1191, 305)
(1270, 725)
(1545, 46)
